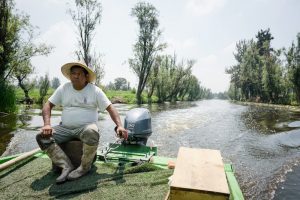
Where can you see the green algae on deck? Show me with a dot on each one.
(35, 180)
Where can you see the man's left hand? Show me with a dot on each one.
(122, 132)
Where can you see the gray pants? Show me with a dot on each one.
(88, 134)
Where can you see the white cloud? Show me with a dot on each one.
(229, 49)
(62, 37)
(210, 71)
(56, 2)
(60, 34)
(210, 60)
(204, 7)
(181, 46)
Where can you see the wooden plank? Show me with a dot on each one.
(200, 171)
(19, 158)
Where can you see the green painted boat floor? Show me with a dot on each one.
(35, 180)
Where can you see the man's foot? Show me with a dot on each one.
(87, 158)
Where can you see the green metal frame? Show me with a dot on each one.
(127, 153)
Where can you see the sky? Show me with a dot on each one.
(204, 30)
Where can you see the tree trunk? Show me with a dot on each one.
(150, 94)
(139, 97)
(27, 99)
(298, 94)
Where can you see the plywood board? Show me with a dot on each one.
(199, 170)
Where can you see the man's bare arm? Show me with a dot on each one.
(114, 115)
(46, 112)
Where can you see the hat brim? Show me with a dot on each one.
(66, 70)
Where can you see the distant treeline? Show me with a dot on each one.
(170, 80)
(265, 74)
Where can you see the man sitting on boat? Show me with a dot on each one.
(80, 100)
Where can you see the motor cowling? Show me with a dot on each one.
(138, 123)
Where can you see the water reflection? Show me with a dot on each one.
(17, 129)
(8, 123)
(269, 120)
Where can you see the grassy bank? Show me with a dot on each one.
(33, 94)
(116, 96)
(277, 106)
(127, 97)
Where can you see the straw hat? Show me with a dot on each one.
(66, 70)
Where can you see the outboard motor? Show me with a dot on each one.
(138, 124)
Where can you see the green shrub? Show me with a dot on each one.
(34, 94)
(133, 90)
(128, 97)
(8, 98)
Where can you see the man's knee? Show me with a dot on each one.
(90, 135)
(44, 143)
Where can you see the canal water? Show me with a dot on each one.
(262, 143)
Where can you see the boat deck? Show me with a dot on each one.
(34, 179)
(128, 172)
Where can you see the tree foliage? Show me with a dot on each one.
(264, 38)
(17, 47)
(8, 98)
(260, 73)
(21, 66)
(293, 67)
(86, 17)
(9, 28)
(147, 45)
(45, 84)
(171, 80)
(120, 84)
(55, 83)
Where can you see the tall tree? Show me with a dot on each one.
(98, 65)
(264, 38)
(45, 84)
(147, 45)
(179, 79)
(152, 80)
(8, 36)
(271, 77)
(55, 83)
(9, 29)
(120, 83)
(173, 79)
(250, 72)
(86, 17)
(235, 70)
(193, 88)
(293, 63)
(17, 46)
(21, 67)
(163, 80)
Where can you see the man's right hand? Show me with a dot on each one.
(47, 131)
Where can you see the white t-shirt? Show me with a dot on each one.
(79, 106)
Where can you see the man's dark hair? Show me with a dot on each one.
(77, 66)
